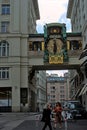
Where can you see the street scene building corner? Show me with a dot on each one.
(25, 55)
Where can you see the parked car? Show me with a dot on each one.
(76, 109)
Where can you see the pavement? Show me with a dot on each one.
(33, 125)
(8, 121)
(31, 121)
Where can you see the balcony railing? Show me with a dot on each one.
(75, 53)
(38, 54)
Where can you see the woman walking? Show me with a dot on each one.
(58, 116)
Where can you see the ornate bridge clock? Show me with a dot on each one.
(55, 44)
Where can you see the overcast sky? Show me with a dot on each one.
(52, 11)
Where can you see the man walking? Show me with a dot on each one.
(46, 117)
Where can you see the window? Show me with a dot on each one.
(52, 96)
(5, 26)
(4, 48)
(61, 91)
(5, 9)
(52, 83)
(53, 87)
(4, 72)
(52, 92)
(62, 96)
(61, 87)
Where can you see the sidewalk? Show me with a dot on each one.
(14, 118)
(78, 125)
(33, 125)
(30, 121)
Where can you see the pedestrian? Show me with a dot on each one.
(46, 117)
(37, 109)
(58, 116)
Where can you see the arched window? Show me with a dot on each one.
(4, 48)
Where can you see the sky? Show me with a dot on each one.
(52, 11)
(59, 72)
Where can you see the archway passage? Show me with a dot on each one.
(5, 99)
(55, 49)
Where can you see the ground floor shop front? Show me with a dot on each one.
(13, 99)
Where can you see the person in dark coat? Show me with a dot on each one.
(46, 117)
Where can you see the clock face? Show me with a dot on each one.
(50, 46)
(59, 44)
(54, 46)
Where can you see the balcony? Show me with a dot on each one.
(74, 53)
(35, 54)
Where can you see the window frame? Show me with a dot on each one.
(4, 49)
(5, 9)
(4, 72)
(5, 26)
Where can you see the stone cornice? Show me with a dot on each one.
(35, 2)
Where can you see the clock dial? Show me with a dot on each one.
(54, 46)
(50, 46)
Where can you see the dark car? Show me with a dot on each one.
(76, 109)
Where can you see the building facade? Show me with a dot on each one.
(17, 21)
(20, 52)
(57, 89)
(77, 12)
(41, 89)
